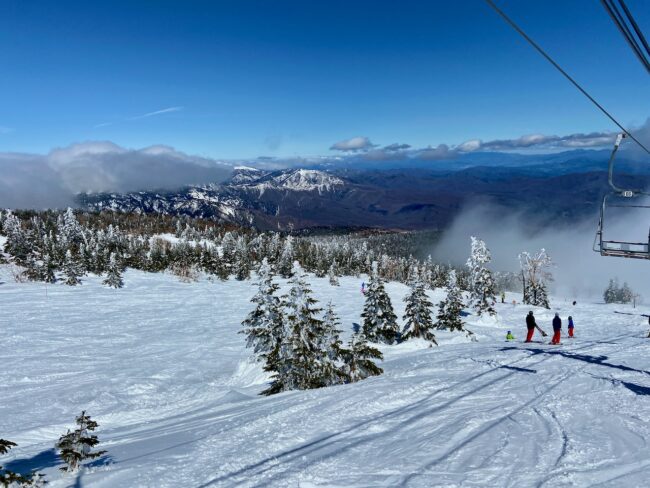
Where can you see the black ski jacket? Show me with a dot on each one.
(530, 322)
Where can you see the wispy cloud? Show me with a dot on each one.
(157, 112)
(5, 129)
(103, 124)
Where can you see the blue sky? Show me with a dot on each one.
(241, 79)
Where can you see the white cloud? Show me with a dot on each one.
(353, 144)
(470, 146)
(36, 181)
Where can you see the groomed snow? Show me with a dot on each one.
(162, 368)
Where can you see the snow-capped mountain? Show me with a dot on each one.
(250, 197)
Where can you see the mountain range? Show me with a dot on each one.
(556, 189)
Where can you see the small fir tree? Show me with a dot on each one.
(449, 311)
(114, 273)
(379, 319)
(72, 269)
(330, 348)
(611, 292)
(11, 479)
(76, 446)
(359, 358)
(264, 326)
(295, 365)
(417, 317)
(333, 274)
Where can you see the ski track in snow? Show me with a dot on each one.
(162, 368)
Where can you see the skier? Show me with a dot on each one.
(503, 297)
(509, 336)
(530, 325)
(571, 327)
(363, 288)
(557, 328)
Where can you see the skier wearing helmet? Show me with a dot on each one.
(557, 328)
(530, 325)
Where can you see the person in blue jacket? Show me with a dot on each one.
(571, 326)
(557, 328)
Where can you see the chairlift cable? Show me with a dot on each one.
(566, 75)
(635, 26)
(618, 19)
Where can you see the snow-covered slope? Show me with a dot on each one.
(162, 368)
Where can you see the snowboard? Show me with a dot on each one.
(544, 334)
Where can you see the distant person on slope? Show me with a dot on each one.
(557, 329)
(571, 327)
(509, 336)
(530, 325)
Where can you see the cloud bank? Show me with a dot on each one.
(578, 271)
(52, 180)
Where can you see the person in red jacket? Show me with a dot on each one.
(557, 329)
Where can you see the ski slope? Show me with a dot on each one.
(160, 365)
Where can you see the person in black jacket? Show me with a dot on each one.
(557, 329)
(530, 325)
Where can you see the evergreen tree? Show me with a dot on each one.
(114, 273)
(264, 326)
(10, 479)
(330, 348)
(285, 262)
(418, 314)
(242, 260)
(75, 447)
(625, 295)
(379, 319)
(449, 311)
(359, 357)
(482, 284)
(333, 274)
(612, 291)
(297, 365)
(72, 270)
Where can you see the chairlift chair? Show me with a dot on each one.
(633, 199)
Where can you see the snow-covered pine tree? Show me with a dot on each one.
(11, 479)
(264, 326)
(417, 317)
(72, 269)
(611, 293)
(297, 366)
(449, 311)
(330, 348)
(242, 260)
(379, 319)
(333, 274)
(76, 446)
(625, 295)
(359, 357)
(285, 262)
(114, 273)
(482, 284)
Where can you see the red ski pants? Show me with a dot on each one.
(529, 337)
(556, 337)
(571, 332)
